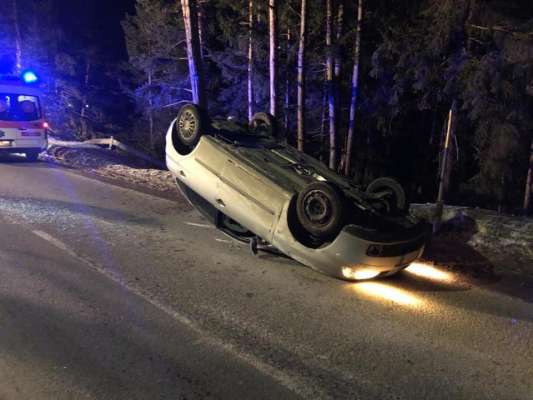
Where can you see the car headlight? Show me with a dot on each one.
(359, 274)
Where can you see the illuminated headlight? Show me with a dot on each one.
(359, 274)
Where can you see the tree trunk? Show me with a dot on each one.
(323, 121)
(337, 71)
(529, 181)
(287, 81)
(331, 85)
(301, 77)
(339, 23)
(151, 111)
(250, 60)
(201, 28)
(83, 111)
(190, 20)
(355, 89)
(272, 22)
(18, 39)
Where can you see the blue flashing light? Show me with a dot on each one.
(29, 77)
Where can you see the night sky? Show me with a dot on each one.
(97, 22)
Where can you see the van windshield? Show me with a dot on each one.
(19, 107)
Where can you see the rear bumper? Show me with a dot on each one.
(25, 145)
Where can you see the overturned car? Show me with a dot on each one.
(258, 190)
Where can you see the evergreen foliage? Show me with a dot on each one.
(416, 60)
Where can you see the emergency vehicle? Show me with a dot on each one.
(23, 128)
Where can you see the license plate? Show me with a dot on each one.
(5, 143)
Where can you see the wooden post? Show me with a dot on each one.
(442, 176)
(300, 114)
(529, 181)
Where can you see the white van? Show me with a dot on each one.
(23, 128)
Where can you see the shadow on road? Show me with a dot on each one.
(21, 161)
(71, 328)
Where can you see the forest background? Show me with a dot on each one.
(109, 73)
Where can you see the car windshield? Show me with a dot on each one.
(19, 107)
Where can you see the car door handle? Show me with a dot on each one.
(220, 203)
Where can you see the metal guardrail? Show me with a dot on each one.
(110, 143)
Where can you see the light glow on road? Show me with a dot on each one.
(429, 272)
(389, 293)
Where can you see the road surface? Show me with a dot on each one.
(110, 293)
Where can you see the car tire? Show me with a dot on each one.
(391, 191)
(263, 123)
(320, 210)
(190, 125)
(32, 156)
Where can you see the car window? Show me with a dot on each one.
(17, 107)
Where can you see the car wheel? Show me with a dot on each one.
(189, 125)
(32, 156)
(320, 210)
(263, 124)
(389, 191)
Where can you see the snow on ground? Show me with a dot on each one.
(481, 242)
(114, 166)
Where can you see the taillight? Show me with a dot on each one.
(46, 125)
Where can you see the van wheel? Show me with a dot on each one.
(32, 156)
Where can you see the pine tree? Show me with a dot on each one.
(152, 39)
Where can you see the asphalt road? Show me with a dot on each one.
(110, 293)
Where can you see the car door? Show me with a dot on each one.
(249, 198)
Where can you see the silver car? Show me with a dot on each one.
(259, 190)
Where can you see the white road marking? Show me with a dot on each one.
(297, 385)
(199, 225)
(223, 240)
